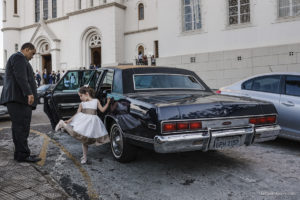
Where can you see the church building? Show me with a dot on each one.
(221, 40)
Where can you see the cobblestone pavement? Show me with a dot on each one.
(24, 181)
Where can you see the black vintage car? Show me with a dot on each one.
(164, 109)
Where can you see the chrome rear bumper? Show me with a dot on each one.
(267, 133)
(209, 140)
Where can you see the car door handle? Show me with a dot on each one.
(68, 105)
(288, 103)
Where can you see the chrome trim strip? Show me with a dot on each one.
(139, 138)
(68, 104)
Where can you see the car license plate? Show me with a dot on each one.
(227, 142)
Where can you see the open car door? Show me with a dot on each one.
(65, 99)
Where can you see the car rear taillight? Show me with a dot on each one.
(181, 126)
(218, 91)
(195, 125)
(263, 120)
(167, 127)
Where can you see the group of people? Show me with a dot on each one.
(46, 78)
(94, 66)
(19, 94)
(143, 60)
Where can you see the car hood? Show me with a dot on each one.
(193, 105)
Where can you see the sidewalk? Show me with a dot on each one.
(24, 181)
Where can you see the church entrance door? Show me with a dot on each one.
(96, 56)
(47, 63)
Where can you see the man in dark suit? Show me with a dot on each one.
(20, 96)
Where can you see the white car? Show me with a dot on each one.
(282, 89)
(3, 109)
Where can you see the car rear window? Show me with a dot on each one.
(269, 84)
(292, 85)
(166, 81)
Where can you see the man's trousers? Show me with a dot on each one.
(20, 115)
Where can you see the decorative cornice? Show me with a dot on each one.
(96, 8)
(141, 31)
(10, 29)
(29, 26)
(54, 50)
(56, 19)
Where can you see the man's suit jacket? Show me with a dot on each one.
(18, 81)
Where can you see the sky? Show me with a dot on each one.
(1, 38)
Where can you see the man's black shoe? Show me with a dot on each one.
(30, 159)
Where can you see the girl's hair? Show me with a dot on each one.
(89, 90)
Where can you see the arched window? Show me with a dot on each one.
(45, 9)
(141, 50)
(15, 6)
(37, 10)
(141, 11)
(95, 41)
(4, 11)
(54, 9)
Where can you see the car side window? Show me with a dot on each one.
(292, 85)
(269, 84)
(107, 81)
(73, 80)
(117, 82)
(247, 85)
(94, 80)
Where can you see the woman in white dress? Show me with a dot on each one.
(85, 125)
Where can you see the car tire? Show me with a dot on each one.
(121, 150)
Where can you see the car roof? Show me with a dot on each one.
(278, 73)
(129, 66)
(238, 83)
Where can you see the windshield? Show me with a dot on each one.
(166, 81)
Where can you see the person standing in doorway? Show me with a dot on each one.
(45, 77)
(53, 77)
(38, 78)
(57, 76)
(63, 73)
(19, 94)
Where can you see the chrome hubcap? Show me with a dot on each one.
(116, 141)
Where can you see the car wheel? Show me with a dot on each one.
(121, 150)
(41, 100)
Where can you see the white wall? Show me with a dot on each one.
(150, 15)
(264, 29)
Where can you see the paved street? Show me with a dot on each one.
(262, 171)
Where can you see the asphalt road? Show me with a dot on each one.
(262, 171)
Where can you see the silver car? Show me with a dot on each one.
(282, 89)
(3, 109)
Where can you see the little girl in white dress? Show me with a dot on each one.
(85, 125)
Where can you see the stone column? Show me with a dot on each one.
(55, 59)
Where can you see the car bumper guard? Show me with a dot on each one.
(214, 139)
